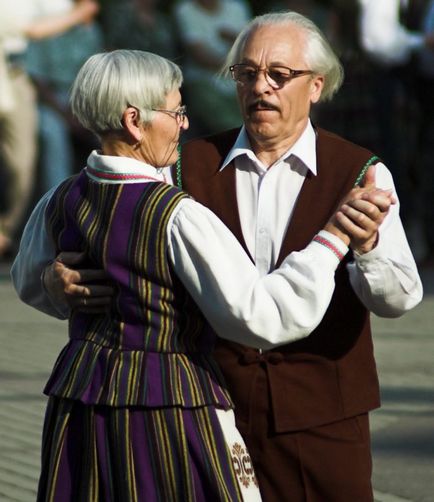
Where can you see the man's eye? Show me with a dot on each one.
(248, 73)
(279, 75)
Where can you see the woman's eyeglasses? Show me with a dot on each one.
(180, 114)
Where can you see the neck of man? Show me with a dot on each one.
(270, 149)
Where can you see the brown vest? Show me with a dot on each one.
(331, 374)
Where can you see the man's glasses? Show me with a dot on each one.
(276, 76)
(180, 114)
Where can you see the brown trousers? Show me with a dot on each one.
(330, 463)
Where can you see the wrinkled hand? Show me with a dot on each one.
(360, 214)
(361, 218)
(77, 288)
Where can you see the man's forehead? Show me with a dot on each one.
(277, 44)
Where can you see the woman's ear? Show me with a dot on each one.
(132, 124)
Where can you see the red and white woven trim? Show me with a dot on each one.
(325, 242)
(118, 176)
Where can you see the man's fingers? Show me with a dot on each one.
(88, 275)
(355, 223)
(362, 211)
(89, 290)
(383, 199)
(91, 302)
(71, 276)
(71, 257)
(93, 310)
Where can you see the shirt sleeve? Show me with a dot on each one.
(242, 306)
(36, 251)
(386, 279)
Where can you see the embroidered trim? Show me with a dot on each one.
(178, 169)
(118, 176)
(329, 245)
(362, 173)
(243, 466)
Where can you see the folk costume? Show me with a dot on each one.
(138, 409)
(133, 396)
(305, 402)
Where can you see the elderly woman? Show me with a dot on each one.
(138, 409)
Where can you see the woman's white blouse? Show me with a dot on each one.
(240, 304)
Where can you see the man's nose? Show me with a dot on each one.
(261, 83)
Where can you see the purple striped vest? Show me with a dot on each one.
(153, 347)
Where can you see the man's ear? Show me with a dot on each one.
(132, 124)
(316, 87)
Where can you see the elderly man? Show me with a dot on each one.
(303, 408)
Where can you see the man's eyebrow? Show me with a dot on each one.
(273, 63)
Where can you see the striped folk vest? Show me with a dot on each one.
(153, 347)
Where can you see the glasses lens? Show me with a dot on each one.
(279, 75)
(244, 73)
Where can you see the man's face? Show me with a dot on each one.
(277, 116)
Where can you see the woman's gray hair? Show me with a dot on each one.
(109, 82)
(319, 55)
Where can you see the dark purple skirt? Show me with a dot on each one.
(128, 454)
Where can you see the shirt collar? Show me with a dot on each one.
(112, 169)
(304, 148)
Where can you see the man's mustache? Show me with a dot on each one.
(261, 104)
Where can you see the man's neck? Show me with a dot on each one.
(268, 151)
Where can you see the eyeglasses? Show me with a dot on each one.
(276, 76)
(179, 114)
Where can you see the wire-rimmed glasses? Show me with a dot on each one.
(276, 76)
(180, 114)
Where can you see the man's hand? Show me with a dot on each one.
(361, 218)
(361, 213)
(77, 288)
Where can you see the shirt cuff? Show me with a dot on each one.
(335, 245)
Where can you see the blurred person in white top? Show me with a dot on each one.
(20, 21)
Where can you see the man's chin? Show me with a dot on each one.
(260, 128)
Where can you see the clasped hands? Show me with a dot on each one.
(360, 214)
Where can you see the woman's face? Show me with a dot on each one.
(159, 146)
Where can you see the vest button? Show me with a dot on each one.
(275, 357)
(250, 357)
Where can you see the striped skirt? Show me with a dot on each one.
(133, 454)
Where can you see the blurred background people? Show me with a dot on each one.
(393, 35)
(422, 70)
(206, 30)
(141, 25)
(53, 63)
(20, 21)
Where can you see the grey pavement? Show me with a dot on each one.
(402, 430)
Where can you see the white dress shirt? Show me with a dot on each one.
(382, 36)
(239, 304)
(385, 279)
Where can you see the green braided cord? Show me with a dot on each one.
(364, 169)
(178, 169)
